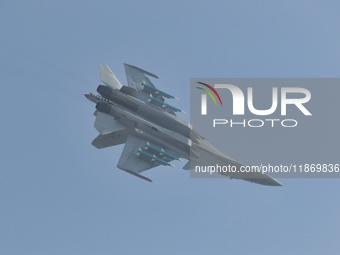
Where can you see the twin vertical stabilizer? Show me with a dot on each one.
(108, 77)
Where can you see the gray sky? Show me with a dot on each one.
(60, 195)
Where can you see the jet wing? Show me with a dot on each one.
(146, 91)
(139, 155)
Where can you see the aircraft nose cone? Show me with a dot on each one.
(269, 181)
(272, 182)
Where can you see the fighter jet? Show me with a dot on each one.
(139, 116)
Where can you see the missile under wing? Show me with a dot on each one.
(139, 116)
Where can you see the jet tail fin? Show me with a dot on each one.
(108, 77)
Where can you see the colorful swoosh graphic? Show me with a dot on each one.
(209, 93)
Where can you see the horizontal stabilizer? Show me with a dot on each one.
(106, 124)
(110, 139)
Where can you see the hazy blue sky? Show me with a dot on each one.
(60, 195)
